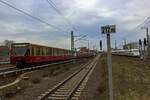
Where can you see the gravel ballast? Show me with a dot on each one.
(41, 80)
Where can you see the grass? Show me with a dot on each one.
(131, 79)
(103, 87)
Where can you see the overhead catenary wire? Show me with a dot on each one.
(53, 5)
(144, 22)
(147, 20)
(27, 14)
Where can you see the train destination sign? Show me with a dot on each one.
(108, 29)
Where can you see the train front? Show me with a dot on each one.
(18, 54)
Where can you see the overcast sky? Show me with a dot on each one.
(86, 15)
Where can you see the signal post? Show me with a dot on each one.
(107, 30)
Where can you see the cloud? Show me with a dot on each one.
(86, 16)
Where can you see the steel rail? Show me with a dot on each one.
(81, 74)
(14, 71)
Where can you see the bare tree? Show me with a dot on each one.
(8, 42)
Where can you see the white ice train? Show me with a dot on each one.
(128, 52)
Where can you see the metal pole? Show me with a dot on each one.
(109, 63)
(88, 46)
(115, 44)
(147, 35)
(72, 42)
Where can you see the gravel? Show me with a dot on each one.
(41, 80)
(96, 85)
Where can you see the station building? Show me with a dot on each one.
(132, 45)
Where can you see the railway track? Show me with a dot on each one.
(14, 70)
(72, 86)
(7, 69)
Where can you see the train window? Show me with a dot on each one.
(63, 52)
(50, 51)
(57, 52)
(60, 52)
(47, 51)
(53, 52)
(42, 51)
(38, 51)
(32, 51)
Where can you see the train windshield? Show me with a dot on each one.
(19, 51)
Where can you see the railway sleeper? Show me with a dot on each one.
(56, 98)
(58, 95)
(62, 93)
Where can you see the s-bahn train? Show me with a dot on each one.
(26, 54)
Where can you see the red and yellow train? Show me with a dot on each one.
(23, 54)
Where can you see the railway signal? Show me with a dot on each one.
(100, 44)
(108, 29)
(145, 42)
(140, 42)
(146, 33)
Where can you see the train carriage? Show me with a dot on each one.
(23, 54)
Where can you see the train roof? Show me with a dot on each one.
(38, 45)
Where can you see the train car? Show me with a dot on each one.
(131, 52)
(23, 54)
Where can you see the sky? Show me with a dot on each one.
(84, 17)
